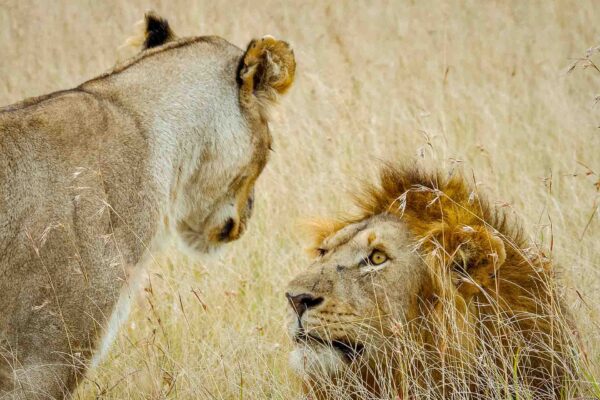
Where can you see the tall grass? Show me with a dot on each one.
(481, 84)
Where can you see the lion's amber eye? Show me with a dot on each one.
(377, 257)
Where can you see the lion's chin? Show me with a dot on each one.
(314, 356)
(316, 360)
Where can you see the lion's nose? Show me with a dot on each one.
(302, 302)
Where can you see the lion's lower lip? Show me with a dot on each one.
(350, 350)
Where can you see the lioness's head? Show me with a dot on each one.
(405, 288)
(212, 102)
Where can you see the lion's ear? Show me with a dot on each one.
(153, 31)
(478, 256)
(266, 70)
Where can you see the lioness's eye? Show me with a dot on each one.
(377, 257)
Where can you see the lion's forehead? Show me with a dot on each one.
(344, 235)
(384, 231)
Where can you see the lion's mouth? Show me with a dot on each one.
(350, 350)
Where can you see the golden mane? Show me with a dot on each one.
(430, 202)
(431, 197)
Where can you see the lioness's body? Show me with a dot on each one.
(96, 179)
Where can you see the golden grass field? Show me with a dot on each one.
(480, 85)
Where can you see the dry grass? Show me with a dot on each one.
(480, 84)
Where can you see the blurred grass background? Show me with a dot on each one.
(478, 85)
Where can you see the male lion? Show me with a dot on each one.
(95, 179)
(429, 293)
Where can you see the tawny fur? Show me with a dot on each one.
(94, 180)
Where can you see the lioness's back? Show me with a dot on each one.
(50, 146)
(53, 173)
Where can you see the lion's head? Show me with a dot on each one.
(428, 292)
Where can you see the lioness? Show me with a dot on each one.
(429, 292)
(95, 179)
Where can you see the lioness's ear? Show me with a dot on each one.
(153, 31)
(266, 70)
(477, 258)
(157, 30)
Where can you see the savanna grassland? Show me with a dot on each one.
(503, 90)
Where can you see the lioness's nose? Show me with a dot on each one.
(229, 231)
(302, 302)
